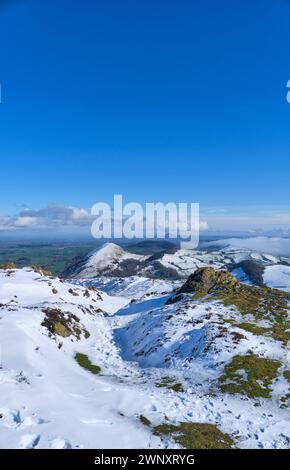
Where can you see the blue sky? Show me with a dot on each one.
(157, 100)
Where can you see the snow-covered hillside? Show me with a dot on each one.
(84, 369)
(278, 277)
(47, 399)
(111, 260)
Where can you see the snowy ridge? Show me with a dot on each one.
(113, 261)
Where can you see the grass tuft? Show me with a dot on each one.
(195, 435)
(287, 375)
(168, 382)
(249, 375)
(145, 421)
(85, 363)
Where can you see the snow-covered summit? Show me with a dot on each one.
(108, 254)
(109, 259)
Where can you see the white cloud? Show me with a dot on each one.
(79, 214)
(50, 217)
(203, 226)
(25, 221)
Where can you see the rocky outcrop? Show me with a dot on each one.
(8, 266)
(39, 270)
(63, 324)
(208, 281)
(262, 303)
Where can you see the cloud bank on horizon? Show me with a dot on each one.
(269, 245)
(57, 218)
(54, 218)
